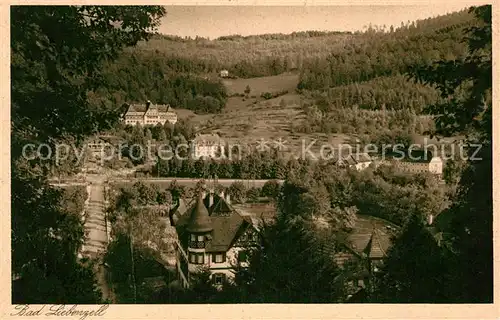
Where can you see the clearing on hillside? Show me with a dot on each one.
(245, 121)
(285, 81)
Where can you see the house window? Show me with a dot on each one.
(200, 258)
(196, 258)
(192, 258)
(219, 278)
(201, 238)
(219, 257)
(193, 237)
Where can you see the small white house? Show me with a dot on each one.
(436, 165)
(224, 73)
(208, 146)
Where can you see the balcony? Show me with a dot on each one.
(197, 244)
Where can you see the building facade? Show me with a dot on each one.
(207, 146)
(434, 166)
(212, 236)
(149, 114)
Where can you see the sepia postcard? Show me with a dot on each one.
(258, 160)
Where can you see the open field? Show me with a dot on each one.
(248, 121)
(245, 121)
(285, 81)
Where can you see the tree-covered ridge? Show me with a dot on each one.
(182, 72)
(383, 54)
(263, 55)
(457, 252)
(140, 76)
(353, 120)
(392, 93)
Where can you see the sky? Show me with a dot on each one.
(215, 21)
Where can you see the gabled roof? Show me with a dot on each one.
(213, 138)
(375, 247)
(350, 160)
(224, 232)
(371, 234)
(353, 159)
(136, 108)
(221, 208)
(142, 108)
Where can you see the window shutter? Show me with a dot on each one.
(213, 257)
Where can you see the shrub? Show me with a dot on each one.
(271, 189)
(237, 191)
(253, 194)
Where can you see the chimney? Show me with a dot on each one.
(210, 199)
(430, 219)
(228, 199)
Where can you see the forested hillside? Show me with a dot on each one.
(139, 76)
(385, 50)
(375, 54)
(361, 69)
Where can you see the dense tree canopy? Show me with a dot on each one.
(463, 231)
(56, 58)
(139, 76)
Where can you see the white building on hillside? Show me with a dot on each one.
(434, 166)
(149, 114)
(207, 146)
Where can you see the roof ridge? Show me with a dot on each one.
(379, 244)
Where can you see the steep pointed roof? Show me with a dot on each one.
(221, 208)
(177, 212)
(199, 220)
(374, 249)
